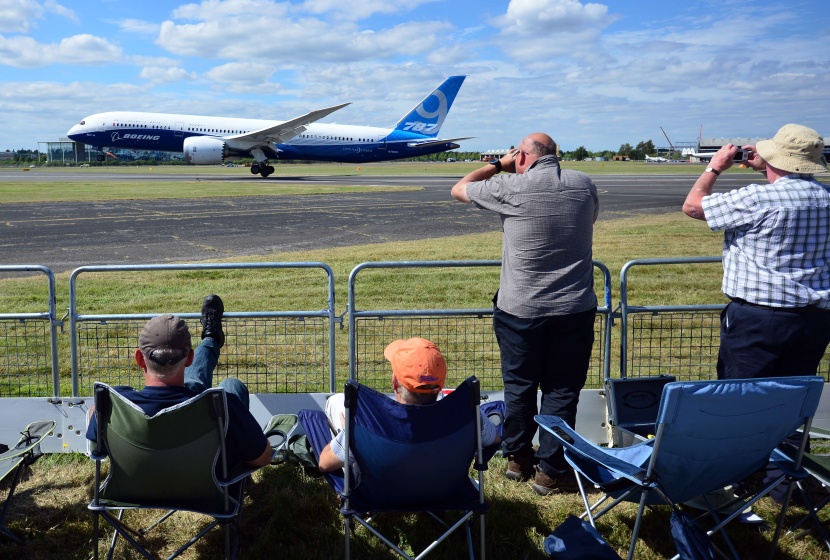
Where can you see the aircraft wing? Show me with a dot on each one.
(427, 142)
(285, 131)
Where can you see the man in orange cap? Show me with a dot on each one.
(418, 376)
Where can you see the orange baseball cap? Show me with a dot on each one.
(417, 364)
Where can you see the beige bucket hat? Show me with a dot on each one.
(794, 148)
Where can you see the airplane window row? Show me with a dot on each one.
(193, 129)
(336, 138)
(134, 125)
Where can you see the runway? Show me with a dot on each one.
(65, 235)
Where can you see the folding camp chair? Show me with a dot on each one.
(818, 465)
(709, 434)
(23, 454)
(174, 461)
(411, 459)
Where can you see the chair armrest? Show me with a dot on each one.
(583, 448)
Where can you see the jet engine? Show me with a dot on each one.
(204, 150)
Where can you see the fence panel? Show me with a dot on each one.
(270, 351)
(679, 340)
(465, 336)
(28, 340)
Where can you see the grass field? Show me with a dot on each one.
(292, 515)
(86, 183)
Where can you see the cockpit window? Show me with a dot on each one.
(83, 122)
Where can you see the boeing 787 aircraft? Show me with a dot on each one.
(212, 140)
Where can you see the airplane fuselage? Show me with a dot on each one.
(319, 142)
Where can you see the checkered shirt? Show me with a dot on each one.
(776, 245)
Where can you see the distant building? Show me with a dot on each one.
(712, 145)
(490, 155)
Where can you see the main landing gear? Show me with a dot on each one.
(262, 168)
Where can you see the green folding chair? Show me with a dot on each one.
(173, 461)
(24, 453)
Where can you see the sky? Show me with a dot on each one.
(589, 74)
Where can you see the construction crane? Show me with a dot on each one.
(671, 147)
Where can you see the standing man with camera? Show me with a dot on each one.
(776, 256)
(544, 310)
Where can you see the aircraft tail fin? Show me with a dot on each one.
(428, 116)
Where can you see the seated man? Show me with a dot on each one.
(418, 375)
(173, 373)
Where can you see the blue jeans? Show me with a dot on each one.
(199, 375)
(550, 354)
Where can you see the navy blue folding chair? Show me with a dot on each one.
(411, 459)
(708, 435)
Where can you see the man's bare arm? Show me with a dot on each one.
(329, 462)
(507, 163)
(721, 161)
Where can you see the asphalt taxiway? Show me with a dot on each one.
(65, 235)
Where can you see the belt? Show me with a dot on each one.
(803, 309)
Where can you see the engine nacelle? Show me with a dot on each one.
(204, 150)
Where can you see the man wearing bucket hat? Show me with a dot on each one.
(776, 256)
(174, 373)
(418, 376)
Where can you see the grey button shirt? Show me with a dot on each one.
(547, 214)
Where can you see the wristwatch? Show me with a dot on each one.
(497, 165)
(712, 170)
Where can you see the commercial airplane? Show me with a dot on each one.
(657, 159)
(702, 156)
(213, 140)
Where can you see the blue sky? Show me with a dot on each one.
(591, 74)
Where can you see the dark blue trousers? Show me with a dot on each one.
(764, 342)
(550, 354)
(758, 342)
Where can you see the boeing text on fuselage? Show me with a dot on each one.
(212, 140)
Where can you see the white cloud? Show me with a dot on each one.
(542, 30)
(166, 75)
(244, 77)
(139, 27)
(361, 9)
(298, 41)
(18, 16)
(250, 72)
(25, 52)
(63, 11)
(541, 17)
(213, 10)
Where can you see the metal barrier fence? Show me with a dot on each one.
(679, 340)
(270, 351)
(294, 351)
(465, 336)
(29, 343)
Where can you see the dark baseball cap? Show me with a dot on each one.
(165, 339)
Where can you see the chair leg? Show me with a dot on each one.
(637, 522)
(111, 550)
(781, 518)
(346, 531)
(483, 537)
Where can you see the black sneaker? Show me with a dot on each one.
(212, 311)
